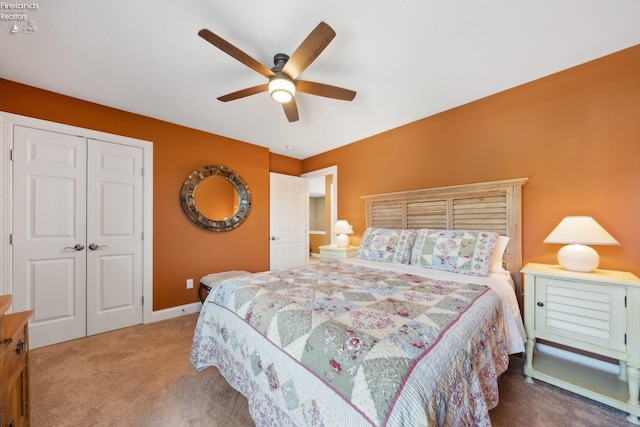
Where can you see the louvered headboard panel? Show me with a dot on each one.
(492, 206)
(426, 214)
(388, 215)
(481, 213)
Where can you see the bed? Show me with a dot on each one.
(414, 331)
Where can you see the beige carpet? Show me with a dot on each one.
(138, 376)
(141, 376)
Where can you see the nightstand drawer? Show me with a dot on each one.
(586, 315)
(333, 253)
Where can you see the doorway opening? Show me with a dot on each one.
(323, 207)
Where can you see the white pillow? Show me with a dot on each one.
(496, 260)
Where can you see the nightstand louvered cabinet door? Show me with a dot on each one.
(584, 315)
(597, 312)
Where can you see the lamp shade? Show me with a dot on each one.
(342, 228)
(281, 89)
(582, 230)
(576, 232)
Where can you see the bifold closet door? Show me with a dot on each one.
(77, 234)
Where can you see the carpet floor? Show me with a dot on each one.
(141, 376)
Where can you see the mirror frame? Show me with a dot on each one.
(188, 202)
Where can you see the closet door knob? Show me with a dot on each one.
(94, 246)
(77, 247)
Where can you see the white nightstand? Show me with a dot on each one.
(333, 252)
(597, 312)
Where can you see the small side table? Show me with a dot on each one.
(333, 252)
(597, 312)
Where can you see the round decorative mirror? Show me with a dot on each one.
(215, 198)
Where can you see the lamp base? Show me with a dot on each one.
(578, 258)
(342, 240)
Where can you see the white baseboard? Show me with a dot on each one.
(579, 358)
(169, 313)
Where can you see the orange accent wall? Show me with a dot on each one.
(284, 165)
(575, 134)
(180, 249)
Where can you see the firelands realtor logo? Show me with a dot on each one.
(19, 16)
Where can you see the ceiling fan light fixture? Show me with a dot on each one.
(283, 77)
(281, 89)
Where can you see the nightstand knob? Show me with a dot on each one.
(540, 304)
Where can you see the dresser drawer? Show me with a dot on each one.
(12, 354)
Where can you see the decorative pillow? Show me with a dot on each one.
(459, 251)
(496, 261)
(387, 245)
(402, 254)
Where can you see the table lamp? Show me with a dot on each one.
(576, 232)
(342, 228)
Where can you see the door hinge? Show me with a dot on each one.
(143, 304)
(625, 339)
(142, 236)
(11, 239)
(142, 171)
(11, 155)
(625, 301)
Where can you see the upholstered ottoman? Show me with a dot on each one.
(210, 280)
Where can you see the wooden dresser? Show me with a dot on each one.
(14, 366)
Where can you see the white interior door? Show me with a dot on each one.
(114, 236)
(77, 234)
(288, 221)
(49, 233)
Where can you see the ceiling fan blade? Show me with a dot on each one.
(291, 110)
(309, 50)
(233, 51)
(327, 91)
(244, 92)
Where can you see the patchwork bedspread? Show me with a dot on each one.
(338, 344)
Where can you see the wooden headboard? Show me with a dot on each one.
(491, 206)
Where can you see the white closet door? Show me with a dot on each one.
(49, 233)
(114, 236)
(77, 234)
(288, 221)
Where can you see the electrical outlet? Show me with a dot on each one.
(189, 283)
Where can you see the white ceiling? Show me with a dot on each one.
(406, 59)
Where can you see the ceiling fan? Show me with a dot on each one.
(283, 77)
